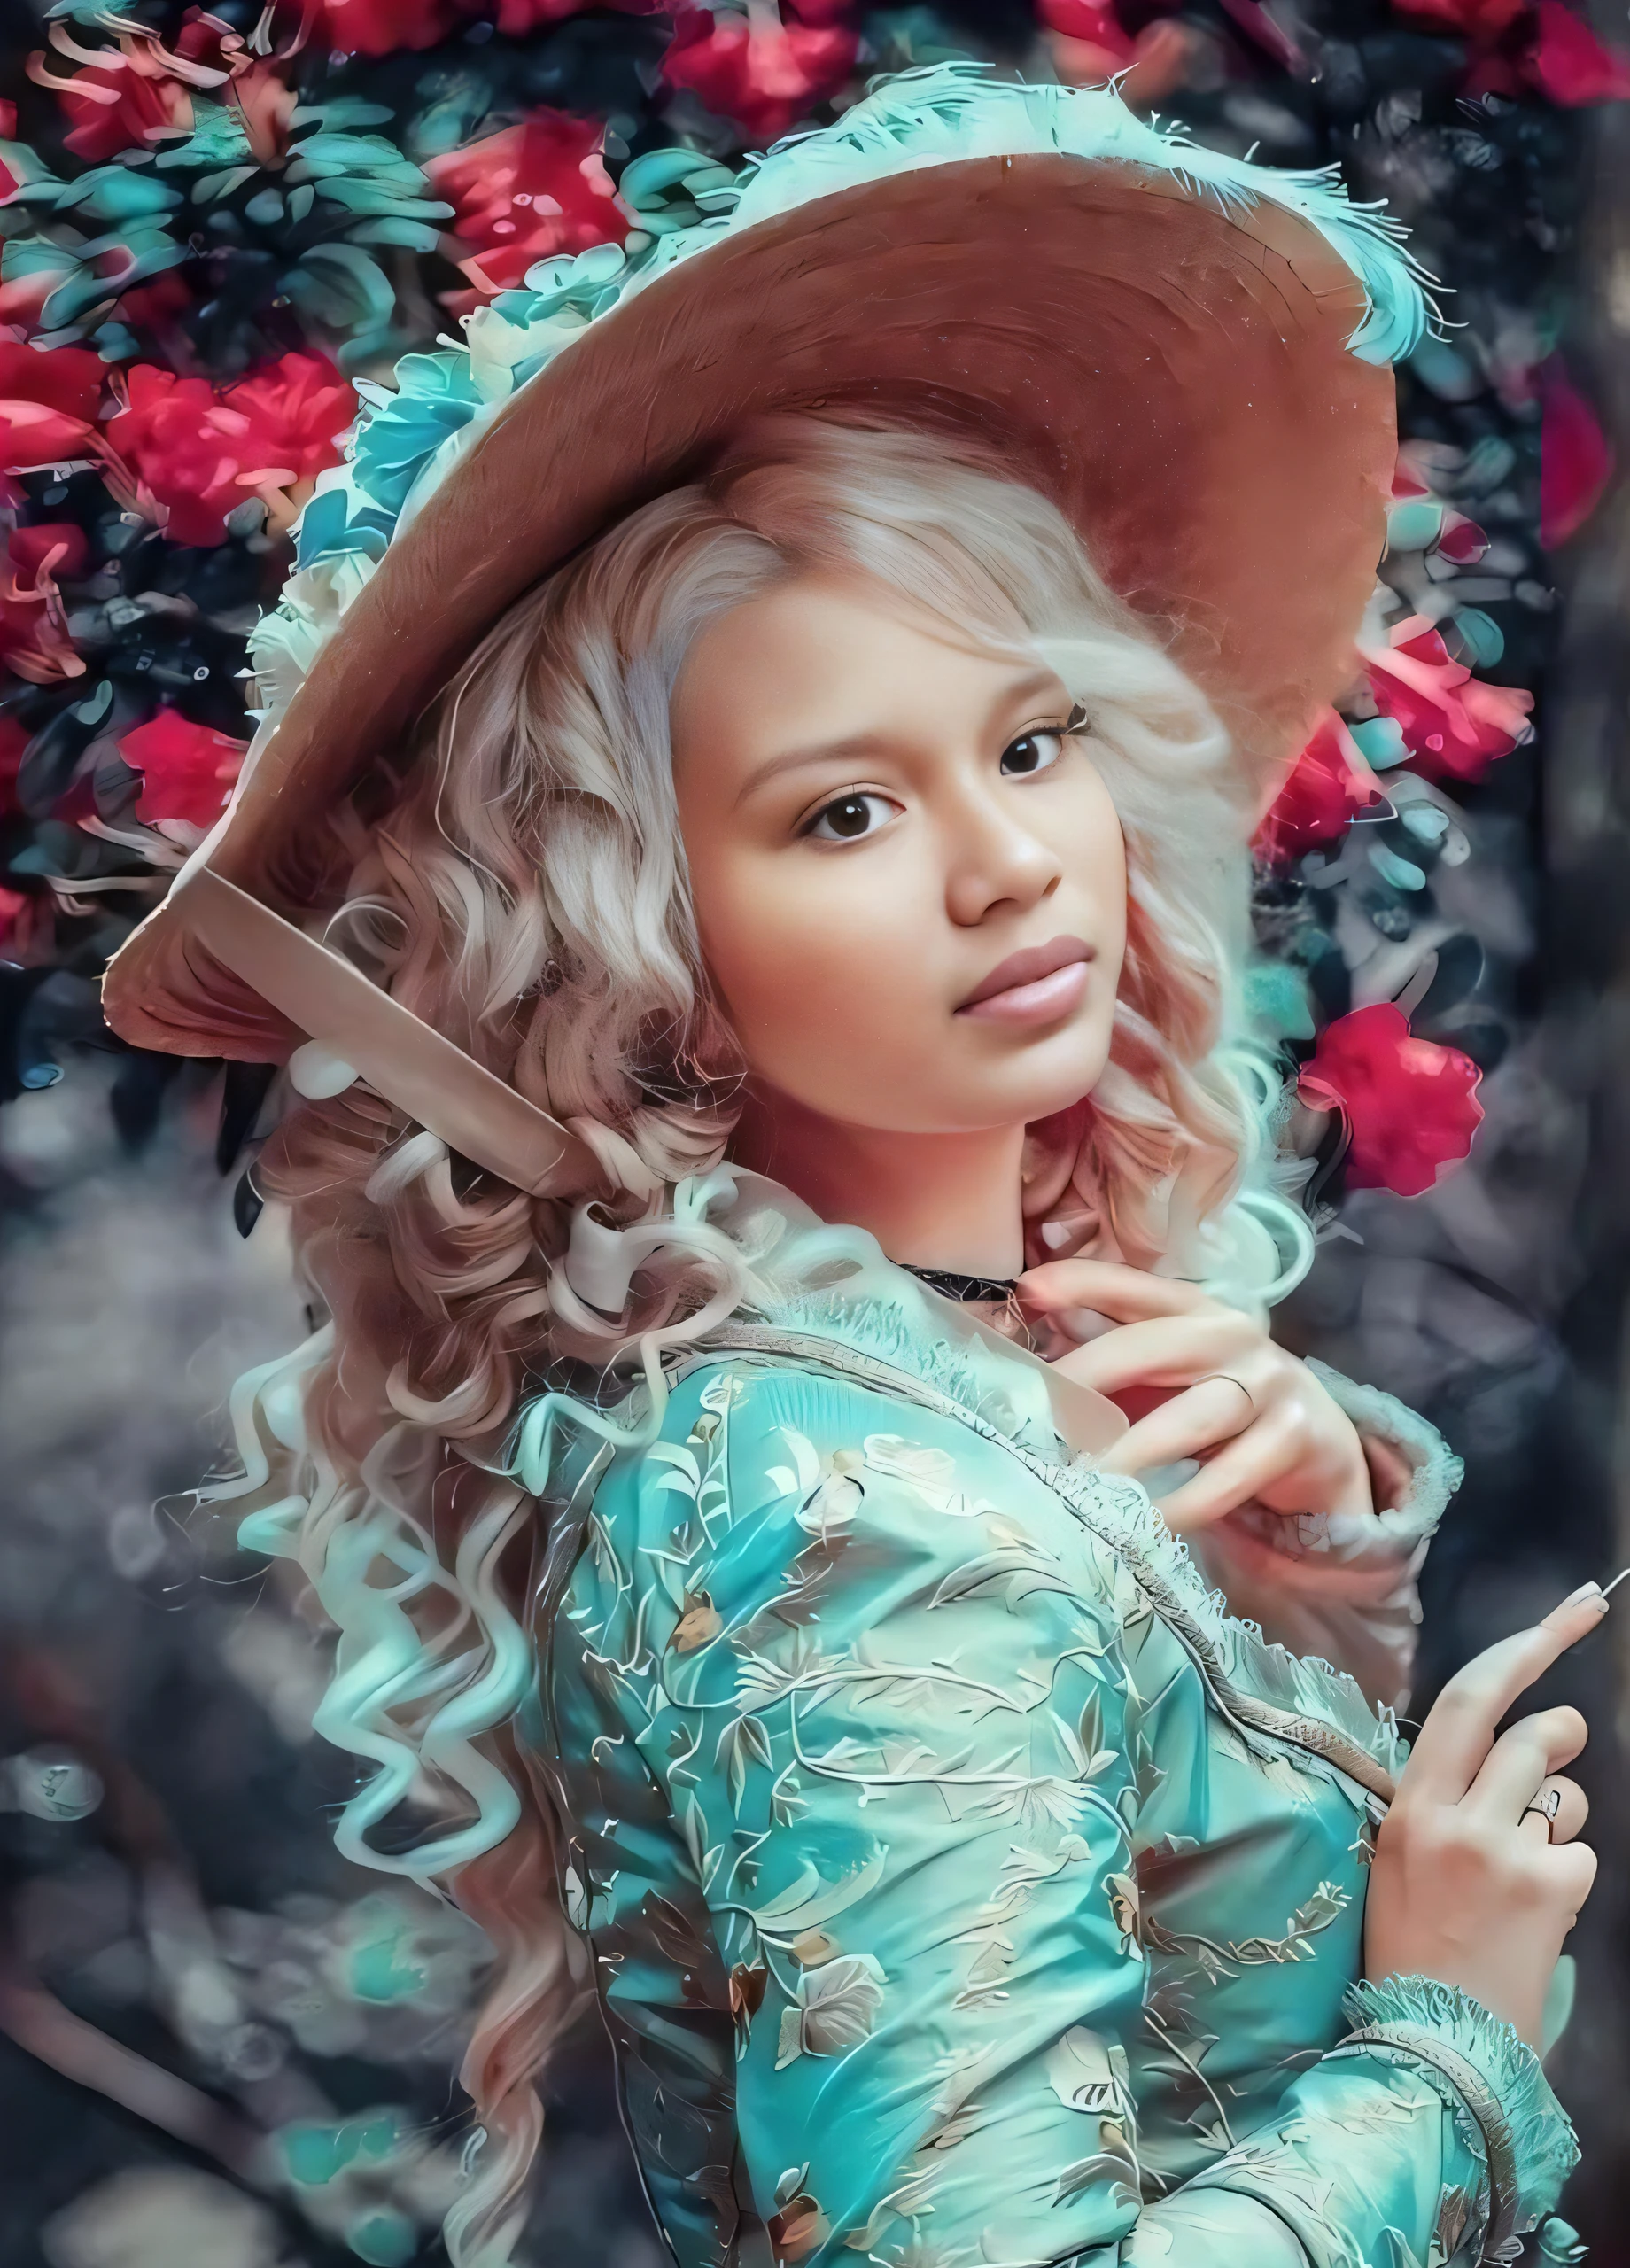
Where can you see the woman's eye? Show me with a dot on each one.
(1031, 752)
(847, 818)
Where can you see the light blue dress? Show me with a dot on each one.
(966, 1887)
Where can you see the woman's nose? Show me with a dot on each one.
(991, 862)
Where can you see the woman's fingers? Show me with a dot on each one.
(1172, 1350)
(1523, 1756)
(1574, 1868)
(1558, 1812)
(1214, 1410)
(1459, 1731)
(1124, 1294)
(1242, 1469)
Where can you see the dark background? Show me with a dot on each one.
(219, 2047)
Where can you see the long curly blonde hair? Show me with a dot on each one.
(528, 894)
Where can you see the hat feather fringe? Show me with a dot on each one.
(952, 111)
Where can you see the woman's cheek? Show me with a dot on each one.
(825, 988)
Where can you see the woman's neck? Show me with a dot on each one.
(932, 1200)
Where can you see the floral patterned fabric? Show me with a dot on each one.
(963, 1883)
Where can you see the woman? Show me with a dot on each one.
(786, 991)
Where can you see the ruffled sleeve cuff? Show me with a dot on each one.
(1343, 1587)
(1412, 1470)
(1486, 2074)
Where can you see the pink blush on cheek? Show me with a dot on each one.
(1043, 1001)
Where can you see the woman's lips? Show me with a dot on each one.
(1037, 986)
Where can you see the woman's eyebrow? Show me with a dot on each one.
(792, 759)
(1029, 688)
(855, 745)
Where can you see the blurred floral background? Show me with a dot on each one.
(222, 229)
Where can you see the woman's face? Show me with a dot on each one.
(909, 886)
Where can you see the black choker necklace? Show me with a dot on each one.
(993, 1290)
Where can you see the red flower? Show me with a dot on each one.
(1410, 1105)
(1569, 64)
(33, 631)
(114, 110)
(1454, 726)
(56, 549)
(1463, 541)
(1088, 45)
(763, 78)
(1478, 21)
(197, 454)
(1576, 457)
(187, 770)
(156, 307)
(13, 906)
(534, 190)
(125, 94)
(14, 747)
(48, 404)
(1089, 23)
(517, 18)
(381, 26)
(1330, 783)
(1407, 483)
(1540, 43)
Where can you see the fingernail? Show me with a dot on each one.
(1576, 1597)
(1587, 1595)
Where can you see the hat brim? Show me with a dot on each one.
(1175, 374)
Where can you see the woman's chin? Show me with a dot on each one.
(1037, 1081)
(958, 1091)
(986, 1106)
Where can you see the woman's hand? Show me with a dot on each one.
(1202, 1380)
(1464, 1887)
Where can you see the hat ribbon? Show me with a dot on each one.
(401, 1057)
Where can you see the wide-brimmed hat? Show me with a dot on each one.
(1187, 353)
